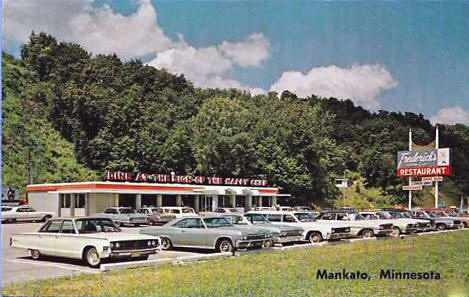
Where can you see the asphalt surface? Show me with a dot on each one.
(17, 265)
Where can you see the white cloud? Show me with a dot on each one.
(361, 83)
(451, 115)
(251, 52)
(207, 66)
(99, 30)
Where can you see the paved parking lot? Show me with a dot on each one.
(17, 265)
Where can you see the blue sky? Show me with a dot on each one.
(400, 56)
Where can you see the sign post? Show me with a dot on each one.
(410, 178)
(437, 140)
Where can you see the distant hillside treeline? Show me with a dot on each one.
(73, 115)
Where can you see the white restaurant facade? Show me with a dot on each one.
(85, 198)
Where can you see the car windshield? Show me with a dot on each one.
(217, 222)
(304, 217)
(126, 210)
(187, 210)
(6, 209)
(95, 225)
(256, 219)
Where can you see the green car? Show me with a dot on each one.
(210, 232)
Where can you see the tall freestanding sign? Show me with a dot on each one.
(423, 163)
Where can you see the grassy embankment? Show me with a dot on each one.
(286, 273)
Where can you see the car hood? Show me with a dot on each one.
(119, 236)
(249, 229)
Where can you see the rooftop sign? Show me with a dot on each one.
(183, 179)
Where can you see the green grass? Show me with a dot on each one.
(286, 273)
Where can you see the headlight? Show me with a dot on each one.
(149, 243)
(117, 245)
(153, 243)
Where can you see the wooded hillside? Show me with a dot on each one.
(72, 115)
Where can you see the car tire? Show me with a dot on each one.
(137, 225)
(314, 237)
(45, 218)
(268, 244)
(396, 232)
(91, 257)
(166, 243)
(225, 246)
(367, 233)
(35, 254)
(118, 224)
(440, 227)
(464, 225)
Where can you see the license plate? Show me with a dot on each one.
(135, 255)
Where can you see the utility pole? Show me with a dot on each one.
(437, 145)
(410, 178)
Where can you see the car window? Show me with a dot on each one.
(67, 227)
(126, 210)
(52, 227)
(288, 219)
(21, 209)
(6, 209)
(187, 210)
(95, 225)
(110, 210)
(175, 211)
(256, 218)
(29, 210)
(274, 218)
(189, 223)
(304, 216)
(217, 222)
(327, 216)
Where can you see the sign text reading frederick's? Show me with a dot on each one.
(423, 163)
(184, 179)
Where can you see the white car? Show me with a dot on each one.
(169, 213)
(12, 214)
(312, 231)
(90, 239)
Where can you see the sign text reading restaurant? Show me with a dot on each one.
(184, 179)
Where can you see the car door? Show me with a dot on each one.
(32, 214)
(188, 232)
(21, 214)
(47, 238)
(66, 241)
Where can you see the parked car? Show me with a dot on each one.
(455, 214)
(358, 225)
(152, 214)
(90, 239)
(226, 210)
(123, 216)
(169, 213)
(313, 231)
(421, 225)
(262, 208)
(441, 221)
(400, 225)
(280, 233)
(12, 214)
(210, 232)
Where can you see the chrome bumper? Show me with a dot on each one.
(339, 236)
(285, 239)
(247, 243)
(132, 253)
(383, 232)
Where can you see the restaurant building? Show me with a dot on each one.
(204, 194)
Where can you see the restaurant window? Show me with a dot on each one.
(80, 201)
(65, 201)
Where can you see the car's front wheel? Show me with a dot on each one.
(92, 257)
(165, 243)
(315, 237)
(35, 254)
(396, 232)
(225, 246)
(440, 227)
(367, 233)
